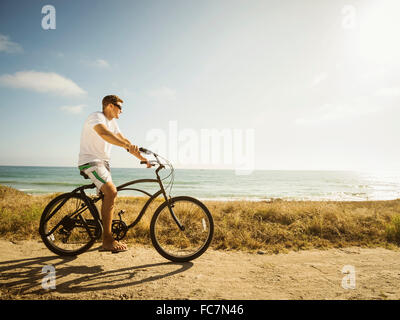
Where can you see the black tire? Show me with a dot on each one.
(71, 237)
(174, 244)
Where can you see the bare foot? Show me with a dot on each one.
(114, 246)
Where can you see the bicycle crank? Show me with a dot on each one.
(119, 229)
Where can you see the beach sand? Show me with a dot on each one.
(140, 273)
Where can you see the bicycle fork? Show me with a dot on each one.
(170, 206)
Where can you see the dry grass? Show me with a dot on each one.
(272, 227)
(282, 225)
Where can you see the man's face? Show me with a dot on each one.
(116, 109)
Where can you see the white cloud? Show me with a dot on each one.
(42, 82)
(163, 93)
(8, 46)
(98, 63)
(101, 63)
(73, 109)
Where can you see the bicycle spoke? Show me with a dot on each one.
(68, 224)
(182, 244)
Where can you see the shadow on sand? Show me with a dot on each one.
(25, 276)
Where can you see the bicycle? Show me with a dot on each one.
(181, 228)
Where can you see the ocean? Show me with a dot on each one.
(221, 184)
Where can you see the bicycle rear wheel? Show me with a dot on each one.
(182, 245)
(67, 226)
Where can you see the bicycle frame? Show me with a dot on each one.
(127, 186)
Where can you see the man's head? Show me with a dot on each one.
(112, 106)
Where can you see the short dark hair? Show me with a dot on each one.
(111, 99)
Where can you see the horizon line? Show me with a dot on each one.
(227, 169)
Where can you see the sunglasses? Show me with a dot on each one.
(117, 105)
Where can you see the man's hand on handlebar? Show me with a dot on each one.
(134, 150)
(147, 163)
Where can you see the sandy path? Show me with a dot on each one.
(141, 273)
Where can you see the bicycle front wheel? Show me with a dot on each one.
(182, 245)
(67, 226)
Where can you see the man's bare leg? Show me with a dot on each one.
(107, 211)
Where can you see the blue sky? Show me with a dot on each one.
(319, 90)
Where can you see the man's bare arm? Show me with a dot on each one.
(119, 140)
(133, 149)
(119, 135)
(110, 137)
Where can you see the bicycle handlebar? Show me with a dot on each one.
(146, 151)
(160, 166)
(145, 162)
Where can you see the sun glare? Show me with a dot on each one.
(378, 26)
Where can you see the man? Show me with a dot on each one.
(100, 132)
